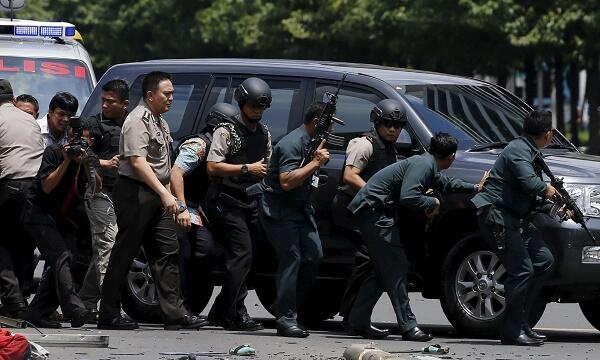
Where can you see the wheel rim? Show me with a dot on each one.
(141, 284)
(480, 285)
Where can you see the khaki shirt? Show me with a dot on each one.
(219, 147)
(144, 134)
(21, 144)
(359, 152)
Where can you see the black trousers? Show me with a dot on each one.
(16, 245)
(142, 220)
(57, 244)
(390, 266)
(527, 260)
(235, 228)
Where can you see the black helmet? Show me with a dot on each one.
(254, 90)
(388, 110)
(220, 112)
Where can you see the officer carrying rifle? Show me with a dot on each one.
(285, 208)
(513, 194)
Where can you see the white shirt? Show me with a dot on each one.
(48, 138)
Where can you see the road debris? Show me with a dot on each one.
(243, 350)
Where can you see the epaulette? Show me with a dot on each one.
(147, 116)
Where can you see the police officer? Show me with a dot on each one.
(287, 216)
(237, 159)
(513, 194)
(106, 130)
(189, 182)
(403, 183)
(145, 211)
(365, 156)
(21, 148)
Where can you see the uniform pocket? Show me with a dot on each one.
(156, 148)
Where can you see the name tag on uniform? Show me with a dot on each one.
(195, 217)
(314, 181)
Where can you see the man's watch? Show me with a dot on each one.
(244, 169)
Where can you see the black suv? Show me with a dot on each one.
(450, 261)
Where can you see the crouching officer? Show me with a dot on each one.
(403, 183)
(189, 183)
(237, 159)
(145, 207)
(513, 194)
(286, 213)
(365, 156)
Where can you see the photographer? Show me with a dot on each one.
(67, 174)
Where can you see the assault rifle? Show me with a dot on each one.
(564, 199)
(323, 124)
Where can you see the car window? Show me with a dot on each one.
(43, 78)
(189, 91)
(354, 107)
(285, 94)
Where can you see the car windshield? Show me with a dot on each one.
(43, 78)
(476, 115)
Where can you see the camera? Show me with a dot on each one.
(77, 143)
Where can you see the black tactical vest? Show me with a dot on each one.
(196, 183)
(247, 147)
(384, 154)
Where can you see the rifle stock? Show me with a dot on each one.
(564, 198)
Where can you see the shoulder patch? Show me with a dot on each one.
(146, 116)
(369, 138)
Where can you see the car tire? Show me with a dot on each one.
(591, 312)
(322, 304)
(140, 299)
(473, 289)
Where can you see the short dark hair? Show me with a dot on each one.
(152, 79)
(65, 101)
(119, 87)
(537, 122)
(442, 145)
(313, 110)
(26, 98)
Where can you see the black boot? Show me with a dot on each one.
(416, 334)
(534, 335)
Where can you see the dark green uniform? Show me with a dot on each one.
(288, 220)
(402, 183)
(506, 206)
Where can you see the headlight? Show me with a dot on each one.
(587, 198)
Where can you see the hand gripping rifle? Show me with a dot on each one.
(564, 199)
(323, 125)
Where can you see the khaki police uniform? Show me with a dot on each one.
(21, 149)
(141, 218)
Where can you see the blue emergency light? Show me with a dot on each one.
(36, 28)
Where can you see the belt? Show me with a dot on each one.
(8, 181)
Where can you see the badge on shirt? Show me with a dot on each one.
(314, 181)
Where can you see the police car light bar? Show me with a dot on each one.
(36, 28)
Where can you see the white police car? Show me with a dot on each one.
(43, 58)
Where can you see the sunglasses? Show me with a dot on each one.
(394, 124)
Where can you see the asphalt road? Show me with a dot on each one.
(571, 337)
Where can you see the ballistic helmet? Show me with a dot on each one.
(388, 110)
(219, 113)
(254, 90)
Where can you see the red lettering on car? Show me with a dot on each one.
(28, 65)
(55, 68)
(80, 72)
(2, 68)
